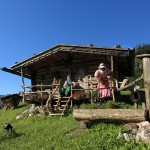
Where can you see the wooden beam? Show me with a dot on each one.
(15, 72)
(112, 63)
(112, 69)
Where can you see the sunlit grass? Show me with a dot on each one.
(61, 133)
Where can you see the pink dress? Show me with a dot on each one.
(103, 83)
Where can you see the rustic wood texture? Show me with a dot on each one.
(131, 84)
(110, 115)
(146, 71)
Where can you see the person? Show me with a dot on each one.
(54, 81)
(66, 89)
(102, 74)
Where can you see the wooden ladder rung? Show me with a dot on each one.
(56, 97)
(56, 114)
(63, 105)
(63, 101)
(66, 97)
(55, 105)
(61, 109)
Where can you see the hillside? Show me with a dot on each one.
(60, 133)
(1, 96)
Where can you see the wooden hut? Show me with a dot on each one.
(78, 61)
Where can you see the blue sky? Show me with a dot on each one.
(28, 27)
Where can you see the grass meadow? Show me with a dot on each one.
(61, 133)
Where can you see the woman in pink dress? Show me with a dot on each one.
(103, 84)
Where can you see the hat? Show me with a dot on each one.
(102, 65)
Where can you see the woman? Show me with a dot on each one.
(103, 84)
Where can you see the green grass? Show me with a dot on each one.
(61, 133)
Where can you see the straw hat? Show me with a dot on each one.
(101, 65)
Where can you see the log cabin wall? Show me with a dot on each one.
(78, 68)
(46, 74)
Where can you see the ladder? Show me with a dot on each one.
(58, 105)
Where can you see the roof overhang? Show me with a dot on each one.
(15, 72)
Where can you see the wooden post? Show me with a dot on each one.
(112, 69)
(23, 84)
(146, 71)
(71, 96)
(85, 81)
(112, 63)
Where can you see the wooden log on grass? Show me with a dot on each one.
(109, 115)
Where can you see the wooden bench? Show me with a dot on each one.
(87, 116)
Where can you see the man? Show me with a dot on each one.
(102, 75)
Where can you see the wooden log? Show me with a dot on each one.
(132, 84)
(109, 115)
(123, 82)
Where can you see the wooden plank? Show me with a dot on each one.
(56, 114)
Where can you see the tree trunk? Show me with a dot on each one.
(110, 115)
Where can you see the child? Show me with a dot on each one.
(66, 89)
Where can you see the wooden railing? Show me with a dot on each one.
(88, 85)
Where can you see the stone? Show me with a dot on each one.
(138, 131)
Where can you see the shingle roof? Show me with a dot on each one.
(118, 52)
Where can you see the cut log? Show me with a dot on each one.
(110, 115)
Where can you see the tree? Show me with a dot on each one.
(142, 49)
(138, 66)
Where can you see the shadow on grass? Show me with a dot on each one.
(123, 98)
(96, 122)
(126, 98)
(9, 135)
(22, 105)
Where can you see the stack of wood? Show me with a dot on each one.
(37, 98)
